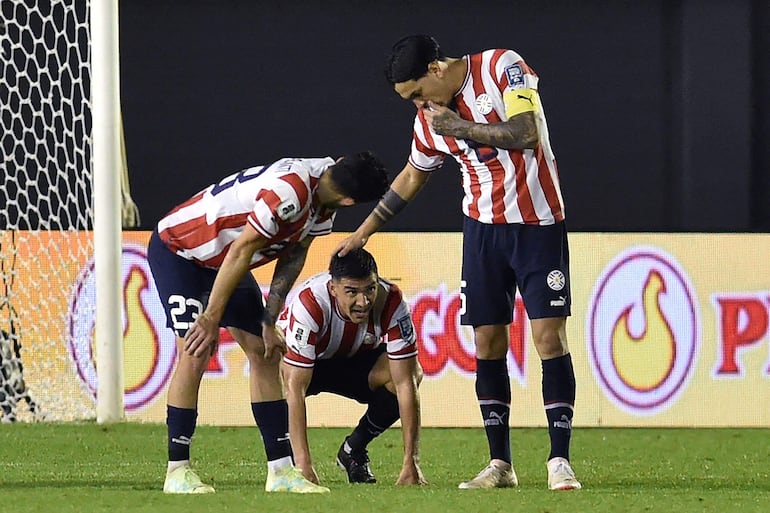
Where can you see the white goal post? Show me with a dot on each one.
(107, 162)
(61, 171)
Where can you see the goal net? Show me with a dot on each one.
(46, 211)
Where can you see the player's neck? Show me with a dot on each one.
(327, 196)
(324, 193)
(456, 70)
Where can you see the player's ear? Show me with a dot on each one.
(347, 201)
(331, 289)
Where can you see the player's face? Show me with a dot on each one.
(355, 297)
(430, 87)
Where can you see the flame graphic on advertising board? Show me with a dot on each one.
(642, 330)
(645, 360)
(140, 342)
(149, 349)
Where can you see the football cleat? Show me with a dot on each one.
(290, 479)
(184, 480)
(561, 476)
(492, 476)
(356, 464)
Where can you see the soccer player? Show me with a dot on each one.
(484, 110)
(350, 333)
(200, 256)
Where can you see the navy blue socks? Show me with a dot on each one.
(493, 390)
(559, 401)
(272, 418)
(181, 426)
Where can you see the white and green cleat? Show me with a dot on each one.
(185, 480)
(290, 479)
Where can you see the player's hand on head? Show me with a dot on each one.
(202, 336)
(274, 340)
(349, 244)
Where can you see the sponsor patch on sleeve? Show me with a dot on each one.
(301, 334)
(406, 328)
(286, 210)
(515, 76)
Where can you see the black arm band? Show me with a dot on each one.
(390, 205)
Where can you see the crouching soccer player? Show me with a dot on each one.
(200, 256)
(350, 333)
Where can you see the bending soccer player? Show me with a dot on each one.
(200, 256)
(484, 110)
(350, 333)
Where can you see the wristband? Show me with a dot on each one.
(390, 205)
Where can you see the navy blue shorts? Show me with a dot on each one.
(184, 288)
(498, 258)
(348, 377)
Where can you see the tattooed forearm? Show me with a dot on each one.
(518, 133)
(287, 270)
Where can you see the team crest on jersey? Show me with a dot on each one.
(515, 76)
(483, 104)
(286, 209)
(301, 334)
(406, 328)
(370, 339)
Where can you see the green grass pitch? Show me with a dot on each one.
(116, 468)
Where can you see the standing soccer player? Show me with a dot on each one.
(485, 111)
(200, 256)
(350, 333)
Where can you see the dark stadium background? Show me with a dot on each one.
(659, 110)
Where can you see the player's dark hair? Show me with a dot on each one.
(409, 58)
(357, 264)
(361, 176)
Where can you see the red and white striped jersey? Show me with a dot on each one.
(501, 186)
(276, 199)
(316, 329)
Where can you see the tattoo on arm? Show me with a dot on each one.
(518, 133)
(287, 270)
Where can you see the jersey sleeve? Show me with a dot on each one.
(274, 206)
(518, 84)
(398, 327)
(301, 322)
(423, 155)
(282, 200)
